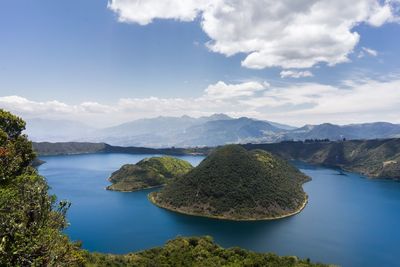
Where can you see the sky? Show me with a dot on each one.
(107, 62)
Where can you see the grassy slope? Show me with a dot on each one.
(149, 172)
(233, 183)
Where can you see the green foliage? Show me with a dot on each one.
(373, 158)
(233, 183)
(196, 252)
(68, 148)
(15, 150)
(30, 223)
(147, 173)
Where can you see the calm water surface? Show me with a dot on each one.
(349, 221)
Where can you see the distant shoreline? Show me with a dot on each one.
(152, 200)
(327, 154)
(136, 190)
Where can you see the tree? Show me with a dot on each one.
(30, 223)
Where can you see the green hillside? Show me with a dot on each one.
(149, 172)
(373, 158)
(232, 183)
(197, 252)
(31, 221)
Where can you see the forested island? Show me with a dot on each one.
(235, 184)
(148, 173)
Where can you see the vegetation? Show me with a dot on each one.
(149, 172)
(232, 183)
(200, 252)
(373, 158)
(30, 222)
(68, 148)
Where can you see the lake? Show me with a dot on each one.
(349, 220)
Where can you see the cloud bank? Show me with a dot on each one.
(286, 33)
(300, 103)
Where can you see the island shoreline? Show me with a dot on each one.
(150, 197)
(136, 190)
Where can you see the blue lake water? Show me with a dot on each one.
(349, 220)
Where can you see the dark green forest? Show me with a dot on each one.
(234, 183)
(31, 221)
(197, 252)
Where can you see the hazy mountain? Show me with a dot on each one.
(185, 131)
(218, 132)
(282, 126)
(352, 131)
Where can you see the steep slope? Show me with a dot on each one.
(149, 172)
(373, 158)
(232, 183)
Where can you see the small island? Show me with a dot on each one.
(235, 184)
(148, 173)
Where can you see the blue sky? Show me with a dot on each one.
(98, 54)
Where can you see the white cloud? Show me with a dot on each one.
(381, 15)
(287, 34)
(144, 12)
(221, 90)
(295, 74)
(362, 100)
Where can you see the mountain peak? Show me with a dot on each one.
(219, 116)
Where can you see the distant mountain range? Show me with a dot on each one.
(185, 131)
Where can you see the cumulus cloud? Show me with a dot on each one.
(25, 106)
(221, 90)
(287, 34)
(144, 12)
(295, 74)
(363, 100)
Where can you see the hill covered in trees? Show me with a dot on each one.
(232, 183)
(197, 252)
(31, 221)
(149, 172)
(373, 158)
